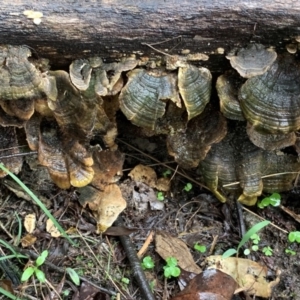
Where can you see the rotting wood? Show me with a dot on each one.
(110, 29)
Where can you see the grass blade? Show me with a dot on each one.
(8, 294)
(38, 202)
(254, 229)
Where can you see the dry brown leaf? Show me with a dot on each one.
(163, 184)
(7, 285)
(249, 274)
(168, 246)
(106, 205)
(144, 174)
(28, 240)
(29, 222)
(50, 227)
(210, 284)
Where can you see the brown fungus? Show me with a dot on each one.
(253, 60)
(236, 159)
(190, 146)
(227, 87)
(19, 77)
(271, 102)
(195, 88)
(143, 99)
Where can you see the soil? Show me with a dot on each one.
(194, 216)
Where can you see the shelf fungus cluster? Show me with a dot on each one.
(68, 115)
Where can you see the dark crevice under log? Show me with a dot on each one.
(110, 28)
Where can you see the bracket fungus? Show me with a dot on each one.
(253, 60)
(143, 99)
(19, 77)
(236, 159)
(191, 145)
(195, 88)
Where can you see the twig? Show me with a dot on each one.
(146, 244)
(18, 154)
(165, 165)
(265, 176)
(138, 272)
(272, 224)
(213, 245)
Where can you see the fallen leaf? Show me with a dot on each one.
(106, 205)
(210, 284)
(7, 285)
(168, 246)
(28, 240)
(249, 274)
(144, 174)
(50, 227)
(163, 184)
(29, 222)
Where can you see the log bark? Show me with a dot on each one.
(111, 28)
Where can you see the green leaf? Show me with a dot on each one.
(166, 173)
(267, 251)
(171, 261)
(148, 262)
(275, 199)
(73, 275)
(200, 248)
(255, 248)
(188, 187)
(175, 271)
(167, 272)
(229, 253)
(40, 275)
(294, 236)
(160, 196)
(27, 273)
(38, 202)
(254, 229)
(289, 251)
(41, 259)
(125, 280)
(247, 251)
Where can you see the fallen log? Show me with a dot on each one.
(70, 29)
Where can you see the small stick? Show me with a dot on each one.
(146, 244)
(213, 245)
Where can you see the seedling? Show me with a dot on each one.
(200, 248)
(171, 269)
(289, 251)
(167, 173)
(147, 263)
(160, 196)
(254, 229)
(34, 269)
(125, 280)
(294, 236)
(188, 187)
(273, 200)
(268, 251)
(255, 240)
